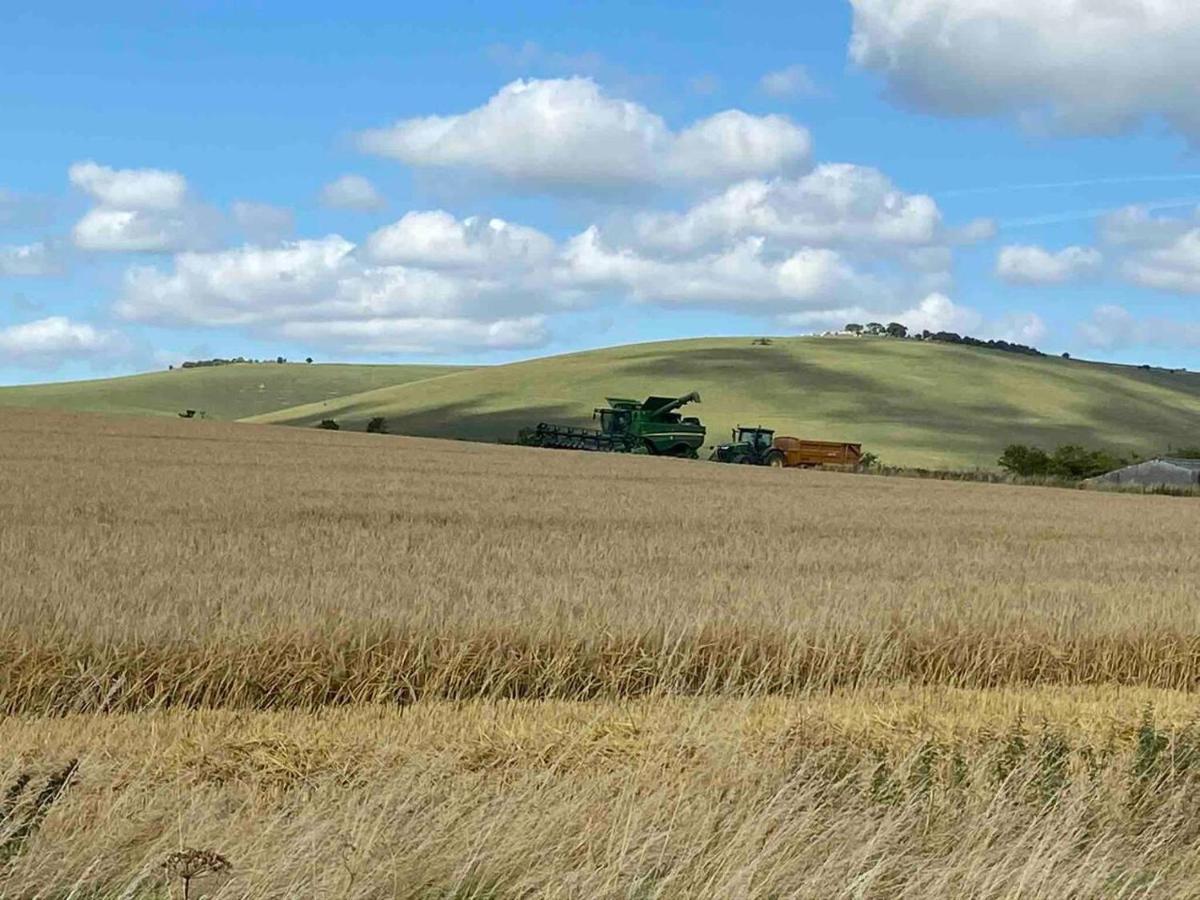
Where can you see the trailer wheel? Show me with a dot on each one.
(776, 460)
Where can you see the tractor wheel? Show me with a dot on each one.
(776, 460)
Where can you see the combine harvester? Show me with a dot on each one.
(628, 426)
(760, 447)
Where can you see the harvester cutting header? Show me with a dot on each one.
(655, 426)
(628, 426)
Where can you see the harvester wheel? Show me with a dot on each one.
(776, 460)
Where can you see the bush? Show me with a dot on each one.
(1025, 461)
(377, 425)
(329, 425)
(1069, 461)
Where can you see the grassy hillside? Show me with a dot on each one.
(912, 403)
(223, 392)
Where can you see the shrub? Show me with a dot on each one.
(1074, 461)
(329, 425)
(377, 425)
(1024, 460)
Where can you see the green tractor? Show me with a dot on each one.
(749, 447)
(628, 426)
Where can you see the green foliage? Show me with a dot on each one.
(1185, 452)
(1025, 461)
(854, 328)
(377, 425)
(1068, 461)
(1054, 760)
(896, 330)
(869, 460)
(329, 425)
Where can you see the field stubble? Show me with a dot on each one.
(374, 666)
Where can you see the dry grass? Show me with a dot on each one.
(371, 666)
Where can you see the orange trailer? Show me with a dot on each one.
(792, 451)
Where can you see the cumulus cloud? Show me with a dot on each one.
(139, 210)
(436, 239)
(836, 204)
(323, 292)
(47, 343)
(1075, 66)
(792, 81)
(1158, 252)
(1029, 264)
(568, 133)
(129, 188)
(30, 260)
(263, 223)
(935, 312)
(420, 335)
(352, 192)
(740, 276)
(1112, 327)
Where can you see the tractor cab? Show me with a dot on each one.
(748, 446)
(757, 438)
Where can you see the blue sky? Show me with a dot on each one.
(468, 183)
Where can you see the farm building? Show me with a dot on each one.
(1163, 470)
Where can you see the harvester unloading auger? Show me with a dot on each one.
(628, 426)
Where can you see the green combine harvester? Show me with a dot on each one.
(628, 426)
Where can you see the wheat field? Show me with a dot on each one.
(371, 666)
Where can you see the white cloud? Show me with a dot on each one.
(739, 276)
(139, 210)
(143, 189)
(1022, 328)
(421, 335)
(352, 192)
(1029, 264)
(263, 223)
(1158, 252)
(436, 239)
(1076, 66)
(236, 287)
(1134, 226)
(1113, 327)
(1173, 266)
(321, 291)
(836, 204)
(936, 312)
(47, 343)
(30, 260)
(793, 81)
(567, 133)
(134, 230)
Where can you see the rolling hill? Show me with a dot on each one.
(911, 402)
(222, 392)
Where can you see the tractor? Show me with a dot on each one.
(759, 447)
(750, 447)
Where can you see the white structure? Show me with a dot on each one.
(1159, 472)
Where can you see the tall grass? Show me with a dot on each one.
(363, 668)
(145, 566)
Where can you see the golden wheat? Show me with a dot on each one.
(363, 666)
